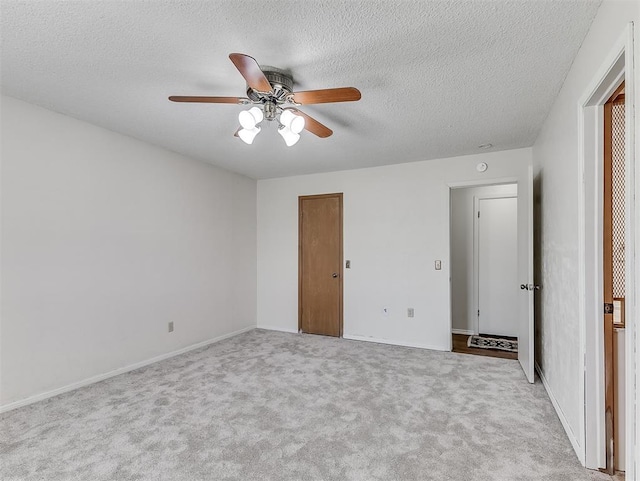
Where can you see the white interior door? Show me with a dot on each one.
(497, 236)
(525, 276)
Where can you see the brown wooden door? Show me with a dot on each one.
(613, 257)
(320, 264)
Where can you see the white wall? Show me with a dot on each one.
(396, 224)
(105, 240)
(463, 307)
(556, 164)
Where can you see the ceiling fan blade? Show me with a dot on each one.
(251, 72)
(312, 125)
(210, 100)
(342, 94)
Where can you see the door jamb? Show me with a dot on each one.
(617, 67)
(459, 185)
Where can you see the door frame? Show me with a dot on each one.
(617, 67)
(340, 197)
(461, 185)
(476, 249)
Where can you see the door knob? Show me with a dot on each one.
(334, 275)
(524, 286)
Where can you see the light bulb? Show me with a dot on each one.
(247, 135)
(290, 138)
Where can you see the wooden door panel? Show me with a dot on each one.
(611, 223)
(320, 264)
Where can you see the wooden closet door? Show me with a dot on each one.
(320, 264)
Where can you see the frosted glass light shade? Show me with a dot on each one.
(290, 138)
(292, 121)
(285, 117)
(257, 114)
(250, 118)
(247, 135)
(297, 124)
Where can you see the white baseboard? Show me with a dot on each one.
(563, 419)
(281, 329)
(465, 332)
(116, 372)
(394, 343)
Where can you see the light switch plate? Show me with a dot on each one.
(348, 264)
(438, 265)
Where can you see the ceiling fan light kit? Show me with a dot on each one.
(290, 124)
(270, 90)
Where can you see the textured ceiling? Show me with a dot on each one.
(437, 78)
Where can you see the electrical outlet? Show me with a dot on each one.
(410, 312)
(385, 311)
(171, 326)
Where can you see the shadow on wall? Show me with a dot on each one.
(537, 263)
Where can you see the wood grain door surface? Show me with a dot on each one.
(608, 259)
(320, 264)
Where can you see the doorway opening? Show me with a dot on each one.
(484, 270)
(608, 268)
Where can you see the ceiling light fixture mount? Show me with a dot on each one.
(270, 90)
(281, 83)
(289, 124)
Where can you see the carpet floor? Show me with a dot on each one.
(274, 406)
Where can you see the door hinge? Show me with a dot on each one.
(478, 214)
(478, 312)
(608, 308)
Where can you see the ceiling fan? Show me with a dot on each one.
(270, 91)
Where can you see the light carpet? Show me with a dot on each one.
(274, 406)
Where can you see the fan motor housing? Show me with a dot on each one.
(281, 82)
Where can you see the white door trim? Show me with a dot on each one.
(617, 67)
(476, 251)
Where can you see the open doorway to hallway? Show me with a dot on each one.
(484, 270)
